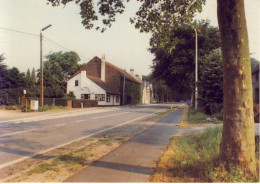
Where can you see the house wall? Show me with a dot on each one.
(112, 99)
(86, 86)
(146, 93)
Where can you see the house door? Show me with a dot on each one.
(128, 100)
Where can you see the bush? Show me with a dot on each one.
(69, 96)
(86, 103)
(55, 102)
(44, 108)
(23, 108)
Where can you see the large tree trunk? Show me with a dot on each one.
(238, 144)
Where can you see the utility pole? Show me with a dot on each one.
(41, 64)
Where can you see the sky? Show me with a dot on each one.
(122, 44)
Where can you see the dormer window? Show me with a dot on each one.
(76, 82)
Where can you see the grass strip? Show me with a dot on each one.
(195, 159)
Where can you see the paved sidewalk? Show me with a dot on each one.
(133, 161)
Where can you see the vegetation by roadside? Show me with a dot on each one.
(194, 158)
(193, 117)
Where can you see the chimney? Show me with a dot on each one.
(83, 75)
(132, 72)
(103, 68)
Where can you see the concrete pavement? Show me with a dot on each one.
(132, 161)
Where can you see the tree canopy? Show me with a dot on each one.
(175, 53)
(57, 69)
(152, 16)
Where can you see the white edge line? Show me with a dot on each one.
(78, 139)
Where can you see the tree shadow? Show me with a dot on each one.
(123, 167)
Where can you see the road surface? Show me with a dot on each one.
(25, 137)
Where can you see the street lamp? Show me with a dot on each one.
(41, 93)
(196, 63)
(196, 68)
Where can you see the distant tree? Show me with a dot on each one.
(33, 76)
(12, 87)
(57, 69)
(28, 73)
(175, 52)
(254, 62)
(3, 72)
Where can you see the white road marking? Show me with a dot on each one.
(79, 121)
(59, 125)
(28, 131)
(109, 115)
(78, 139)
(55, 115)
(17, 132)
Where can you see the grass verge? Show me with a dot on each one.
(195, 117)
(195, 159)
(74, 159)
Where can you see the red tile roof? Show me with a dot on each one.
(112, 75)
(107, 87)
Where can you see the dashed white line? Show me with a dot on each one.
(17, 132)
(109, 115)
(59, 125)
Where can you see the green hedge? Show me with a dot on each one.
(56, 101)
(86, 103)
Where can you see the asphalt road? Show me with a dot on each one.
(25, 137)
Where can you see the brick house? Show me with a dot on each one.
(105, 82)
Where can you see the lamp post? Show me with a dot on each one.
(196, 63)
(41, 93)
(196, 68)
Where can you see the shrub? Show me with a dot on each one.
(23, 108)
(69, 96)
(86, 103)
(44, 108)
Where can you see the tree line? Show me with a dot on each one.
(57, 69)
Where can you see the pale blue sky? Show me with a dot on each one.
(122, 44)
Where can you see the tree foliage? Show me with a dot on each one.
(12, 83)
(174, 55)
(211, 83)
(57, 69)
(153, 15)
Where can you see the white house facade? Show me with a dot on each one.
(88, 87)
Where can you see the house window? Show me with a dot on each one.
(100, 97)
(117, 99)
(85, 96)
(76, 82)
(108, 98)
